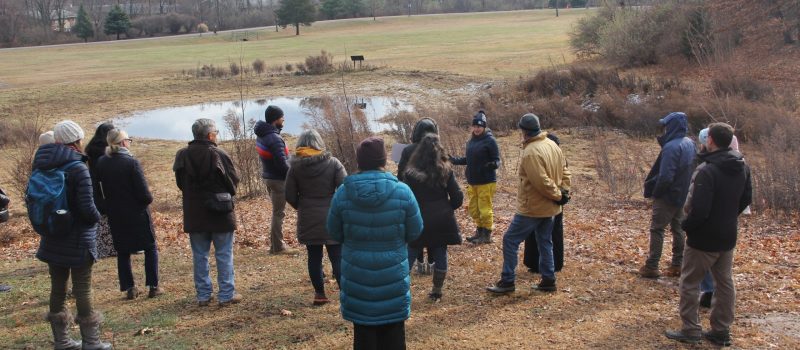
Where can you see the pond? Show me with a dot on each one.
(175, 123)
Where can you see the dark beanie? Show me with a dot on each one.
(371, 154)
(479, 119)
(530, 123)
(273, 113)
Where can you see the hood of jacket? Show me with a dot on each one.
(263, 128)
(675, 127)
(370, 188)
(201, 161)
(311, 166)
(727, 160)
(54, 155)
(422, 127)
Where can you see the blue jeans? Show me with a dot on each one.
(223, 251)
(436, 255)
(521, 227)
(707, 284)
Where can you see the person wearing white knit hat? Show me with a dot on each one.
(68, 132)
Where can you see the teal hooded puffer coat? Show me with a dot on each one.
(374, 216)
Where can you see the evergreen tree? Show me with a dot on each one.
(331, 8)
(296, 13)
(117, 22)
(353, 8)
(83, 26)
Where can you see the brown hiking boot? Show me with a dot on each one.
(237, 298)
(648, 272)
(673, 271)
(154, 292)
(132, 293)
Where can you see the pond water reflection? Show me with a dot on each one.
(175, 123)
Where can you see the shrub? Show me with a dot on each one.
(620, 165)
(235, 69)
(315, 65)
(735, 85)
(585, 38)
(341, 126)
(202, 28)
(259, 66)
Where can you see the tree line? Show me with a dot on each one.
(38, 22)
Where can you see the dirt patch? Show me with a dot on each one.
(778, 326)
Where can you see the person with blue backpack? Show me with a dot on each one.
(61, 209)
(375, 216)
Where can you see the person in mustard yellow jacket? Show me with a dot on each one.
(544, 183)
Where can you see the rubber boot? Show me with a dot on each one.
(476, 236)
(90, 332)
(59, 323)
(438, 282)
(485, 238)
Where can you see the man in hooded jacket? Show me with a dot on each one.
(721, 191)
(668, 184)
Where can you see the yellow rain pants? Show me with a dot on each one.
(480, 204)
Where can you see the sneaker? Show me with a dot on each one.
(320, 299)
(154, 292)
(705, 299)
(132, 293)
(502, 287)
(546, 285)
(648, 272)
(237, 298)
(682, 337)
(673, 271)
(720, 338)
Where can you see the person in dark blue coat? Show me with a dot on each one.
(482, 160)
(668, 185)
(72, 255)
(375, 216)
(126, 194)
(274, 157)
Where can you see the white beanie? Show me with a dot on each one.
(67, 132)
(46, 138)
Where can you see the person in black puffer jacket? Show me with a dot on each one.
(274, 157)
(72, 255)
(482, 160)
(431, 179)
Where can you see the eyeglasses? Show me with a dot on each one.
(129, 140)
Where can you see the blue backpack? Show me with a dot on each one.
(46, 199)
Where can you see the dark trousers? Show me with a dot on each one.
(81, 288)
(531, 255)
(125, 272)
(384, 337)
(315, 264)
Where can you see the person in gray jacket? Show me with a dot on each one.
(311, 182)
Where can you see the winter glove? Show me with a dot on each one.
(491, 165)
(564, 197)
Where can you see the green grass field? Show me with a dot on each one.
(499, 44)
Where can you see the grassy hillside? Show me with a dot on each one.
(487, 44)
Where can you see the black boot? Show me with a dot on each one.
(485, 238)
(502, 287)
(438, 282)
(546, 285)
(705, 299)
(475, 236)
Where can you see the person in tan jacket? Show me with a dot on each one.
(544, 183)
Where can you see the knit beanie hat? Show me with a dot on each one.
(47, 138)
(273, 113)
(67, 132)
(479, 119)
(530, 123)
(371, 154)
(703, 137)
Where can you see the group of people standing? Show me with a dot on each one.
(375, 225)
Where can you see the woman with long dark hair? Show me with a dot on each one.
(96, 149)
(430, 176)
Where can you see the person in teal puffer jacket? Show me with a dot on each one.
(374, 216)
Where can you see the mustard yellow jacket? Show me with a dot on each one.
(542, 174)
